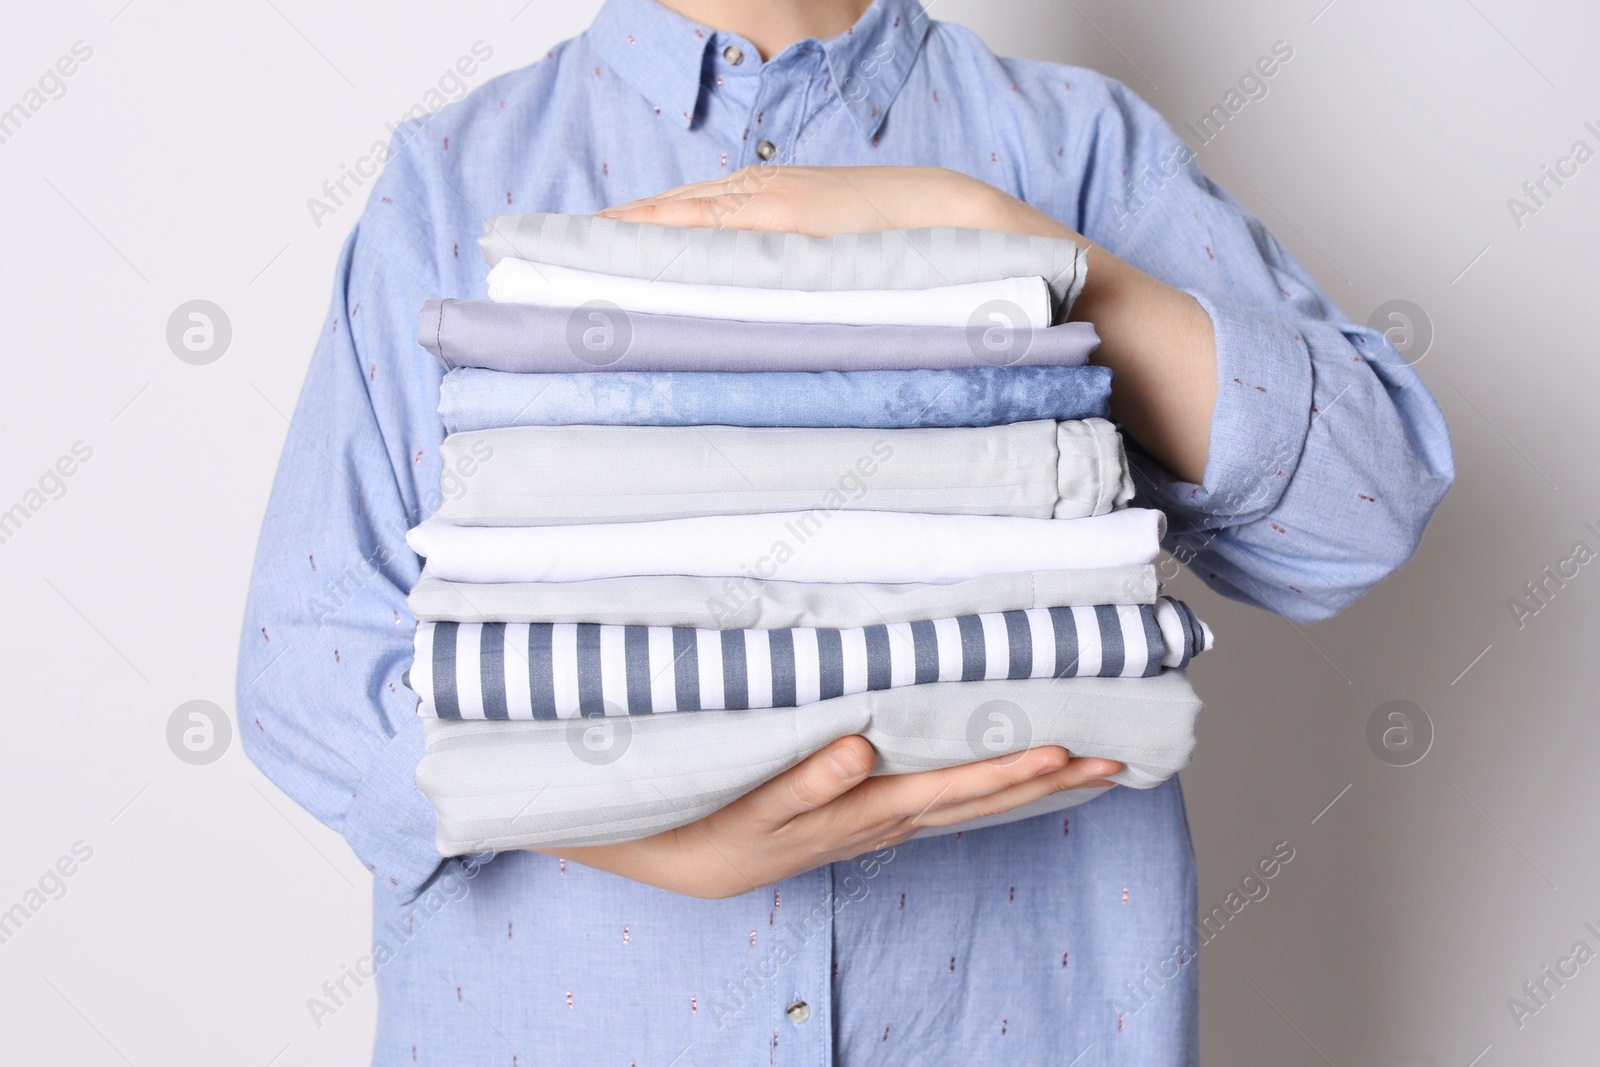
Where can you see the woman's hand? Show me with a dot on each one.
(827, 809)
(822, 201)
(1157, 340)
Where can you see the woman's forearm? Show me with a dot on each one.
(1158, 341)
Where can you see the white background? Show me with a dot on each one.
(177, 167)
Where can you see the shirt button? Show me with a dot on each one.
(766, 150)
(798, 1012)
(733, 54)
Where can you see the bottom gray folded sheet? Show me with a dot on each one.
(543, 784)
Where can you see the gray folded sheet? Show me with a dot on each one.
(572, 475)
(884, 259)
(528, 338)
(760, 604)
(532, 784)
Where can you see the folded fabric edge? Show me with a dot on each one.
(430, 327)
(435, 599)
(1170, 688)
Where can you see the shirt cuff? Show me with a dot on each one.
(390, 824)
(1258, 427)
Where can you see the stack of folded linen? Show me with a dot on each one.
(715, 498)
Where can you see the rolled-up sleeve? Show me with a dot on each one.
(322, 704)
(1327, 454)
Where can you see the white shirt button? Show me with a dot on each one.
(798, 1012)
(766, 150)
(733, 54)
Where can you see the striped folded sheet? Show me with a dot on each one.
(498, 670)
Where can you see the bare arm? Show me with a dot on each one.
(1157, 340)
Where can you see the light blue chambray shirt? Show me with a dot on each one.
(1065, 939)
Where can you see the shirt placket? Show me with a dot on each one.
(800, 991)
(773, 127)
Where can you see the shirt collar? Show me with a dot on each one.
(663, 55)
(655, 50)
(872, 59)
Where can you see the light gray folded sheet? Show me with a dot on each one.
(572, 475)
(532, 784)
(745, 603)
(885, 259)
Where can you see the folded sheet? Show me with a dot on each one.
(541, 475)
(1014, 302)
(505, 785)
(527, 338)
(886, 259)
(541, 670)
(815, 546)
(473, 399)
(756, 604)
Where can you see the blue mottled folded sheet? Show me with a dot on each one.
(474, 399)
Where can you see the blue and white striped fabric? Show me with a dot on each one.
(508, 670)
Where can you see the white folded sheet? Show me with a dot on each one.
(813, 546)
(1011, 302)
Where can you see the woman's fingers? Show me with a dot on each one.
(674, 191)
(745, 181)
(1079, 774)
(815, 782)
(740, 210)
(691, 191)
(886, 803)
(827, 807)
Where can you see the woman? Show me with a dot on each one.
(1296, 454)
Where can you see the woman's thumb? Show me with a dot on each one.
(822, 777)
